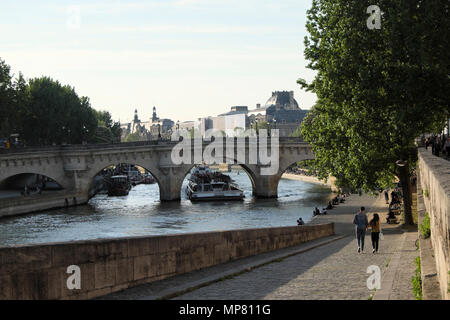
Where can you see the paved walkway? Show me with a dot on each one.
(327, 268)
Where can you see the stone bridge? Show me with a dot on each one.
(75, 166)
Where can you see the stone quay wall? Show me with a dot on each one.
(435, 183)
(110, 265)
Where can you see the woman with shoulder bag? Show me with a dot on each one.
(375, 231)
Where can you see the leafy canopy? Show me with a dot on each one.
(377, 89)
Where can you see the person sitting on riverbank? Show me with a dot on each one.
(330, 206)
(336, 200)
(391, 218)
(323, 211)
(316, 211)
(300, 221)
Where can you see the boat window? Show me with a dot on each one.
(207, 187)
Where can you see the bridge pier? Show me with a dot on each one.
(266, 186)
(170, 180)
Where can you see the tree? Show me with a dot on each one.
(104, 119)
(45, 112)
(55, 114)
(133, 137)
(377, 89)
(6, 100)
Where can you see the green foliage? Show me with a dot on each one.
(417, 281)
(260, 125)
(297, 133)
(426, 193)
(56, 114)
(374, 86)
(105, 122)
(424, 227)
(45, 112)
(12, 97)
(133, 137)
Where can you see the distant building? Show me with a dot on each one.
(148, 129)
(281, 111)
(134, 126)
(159, 126)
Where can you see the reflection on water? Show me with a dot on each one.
(141, 213)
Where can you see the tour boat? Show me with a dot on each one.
(119, 186)
(148, 179)
(207, 185)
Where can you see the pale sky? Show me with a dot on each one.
(189, 58)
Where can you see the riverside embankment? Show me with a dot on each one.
(110, 265)
(311, 179)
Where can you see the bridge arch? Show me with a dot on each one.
(244, 167)
(31, 179)
(96, 173)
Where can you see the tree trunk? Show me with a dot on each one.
(407, 196)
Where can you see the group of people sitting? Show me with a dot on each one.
(36, 189)
(340, 198)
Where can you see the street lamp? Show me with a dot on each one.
(275, 123)
(159, 131)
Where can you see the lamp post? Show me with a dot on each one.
(64, 134)
(256, 124)
(275, 123)
(159, 131)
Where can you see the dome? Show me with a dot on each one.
(282, 100)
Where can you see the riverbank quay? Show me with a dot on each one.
(17, 204)
(324, 269)
(50, 271)
(311, 179)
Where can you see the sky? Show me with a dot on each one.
(189, 58)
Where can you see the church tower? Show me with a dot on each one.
(154, 116)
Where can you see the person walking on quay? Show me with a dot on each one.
(361, 223)
(375, 232)
(386, 196)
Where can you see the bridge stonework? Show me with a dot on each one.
(74, 167)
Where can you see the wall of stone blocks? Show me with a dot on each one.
(110, 265)
(435, 180)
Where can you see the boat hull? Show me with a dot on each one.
(209, 196)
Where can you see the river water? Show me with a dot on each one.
(141, 213)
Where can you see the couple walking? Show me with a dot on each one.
(362, 224)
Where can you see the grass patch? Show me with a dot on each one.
(387, 262)
(424, 227)
(417, 281)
